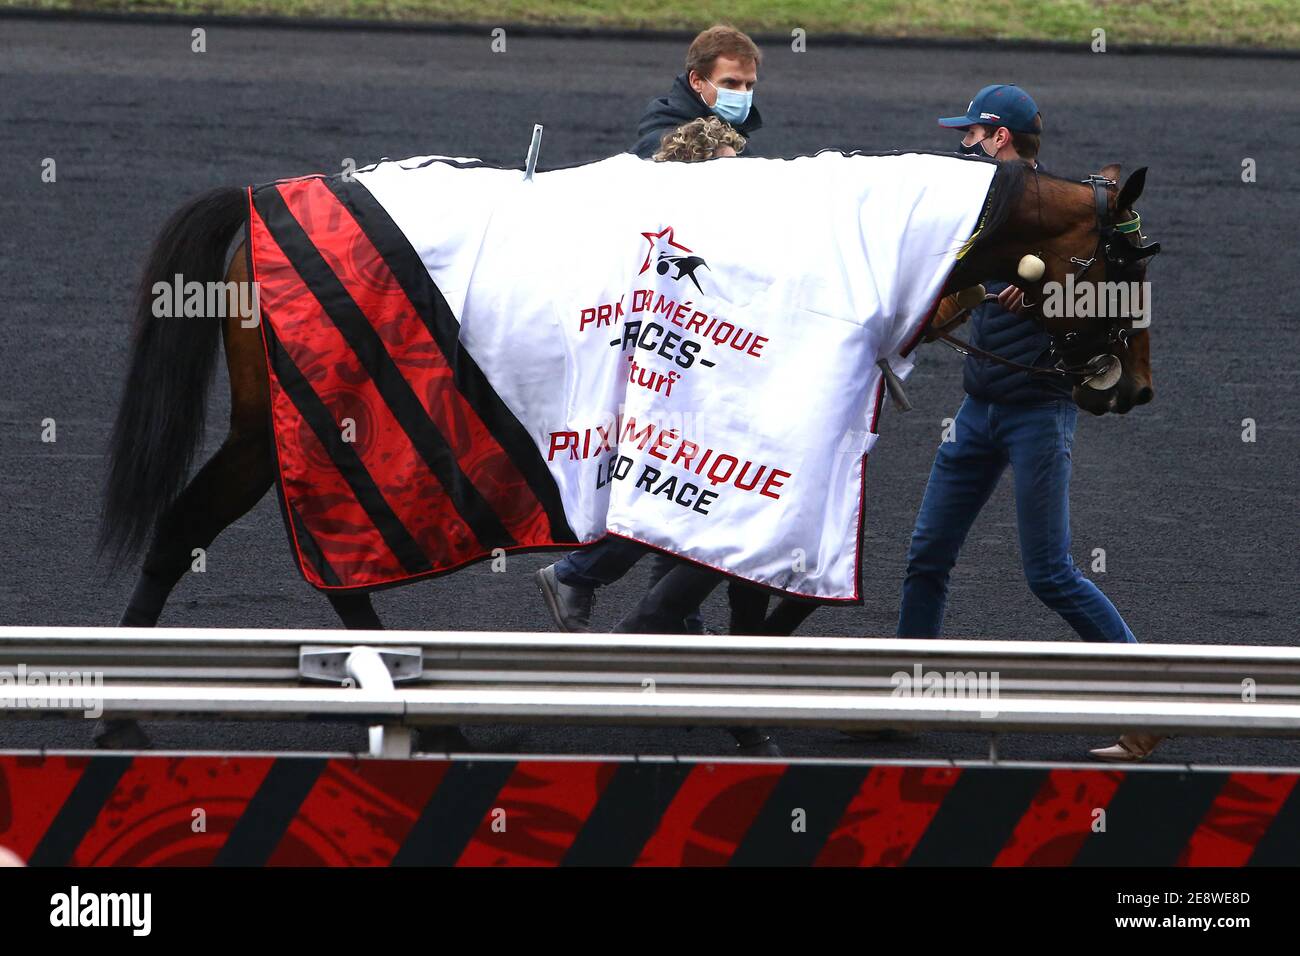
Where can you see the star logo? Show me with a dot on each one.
(666, 261)
(667, 236)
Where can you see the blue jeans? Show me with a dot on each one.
(608, 560)
(1036, 441)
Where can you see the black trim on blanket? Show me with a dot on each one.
(313, 411)
(392, 386)
(405, 264)
(311, 551)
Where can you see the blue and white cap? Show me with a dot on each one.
(1002, 104)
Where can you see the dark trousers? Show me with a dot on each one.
(612, 557)
(1036, 441)
(672, 600)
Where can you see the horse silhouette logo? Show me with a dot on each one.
(686, 266)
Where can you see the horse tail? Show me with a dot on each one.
(161, 417)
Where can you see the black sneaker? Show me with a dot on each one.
(570, 607)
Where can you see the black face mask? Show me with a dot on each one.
(974, 149)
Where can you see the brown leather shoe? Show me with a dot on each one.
(1130, 748)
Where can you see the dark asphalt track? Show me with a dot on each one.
(1200, 529)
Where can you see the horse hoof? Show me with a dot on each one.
(441, 740)
(120, 735)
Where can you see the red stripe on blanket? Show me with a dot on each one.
(311, 481)
(345, 535)
(370, 282)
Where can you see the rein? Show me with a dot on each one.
(1099, 365)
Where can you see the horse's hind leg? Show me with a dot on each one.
(227, 486)
(355, 611)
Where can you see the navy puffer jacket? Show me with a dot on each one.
(1017, 338)
(1013, 337)
(680, 106)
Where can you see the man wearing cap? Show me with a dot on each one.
(1008, 418)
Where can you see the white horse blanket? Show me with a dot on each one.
(690, 350)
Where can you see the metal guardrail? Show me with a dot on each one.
(404, 679)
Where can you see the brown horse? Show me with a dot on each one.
(1067, 225)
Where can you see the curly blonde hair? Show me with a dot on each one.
(698, 140)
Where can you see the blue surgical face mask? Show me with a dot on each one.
(732, 105)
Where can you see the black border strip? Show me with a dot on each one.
(1151, 819)
(454, 812)
(977, 816)
(1280, 843)
(405, 264)
(260, 828)
(627, 814)
(396, 392)
(79, 811)
(311, 549)
(821, 795)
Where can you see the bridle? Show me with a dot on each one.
(1084, 357)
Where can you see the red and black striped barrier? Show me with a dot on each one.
(305, 811)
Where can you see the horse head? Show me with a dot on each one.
(1091, 294)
